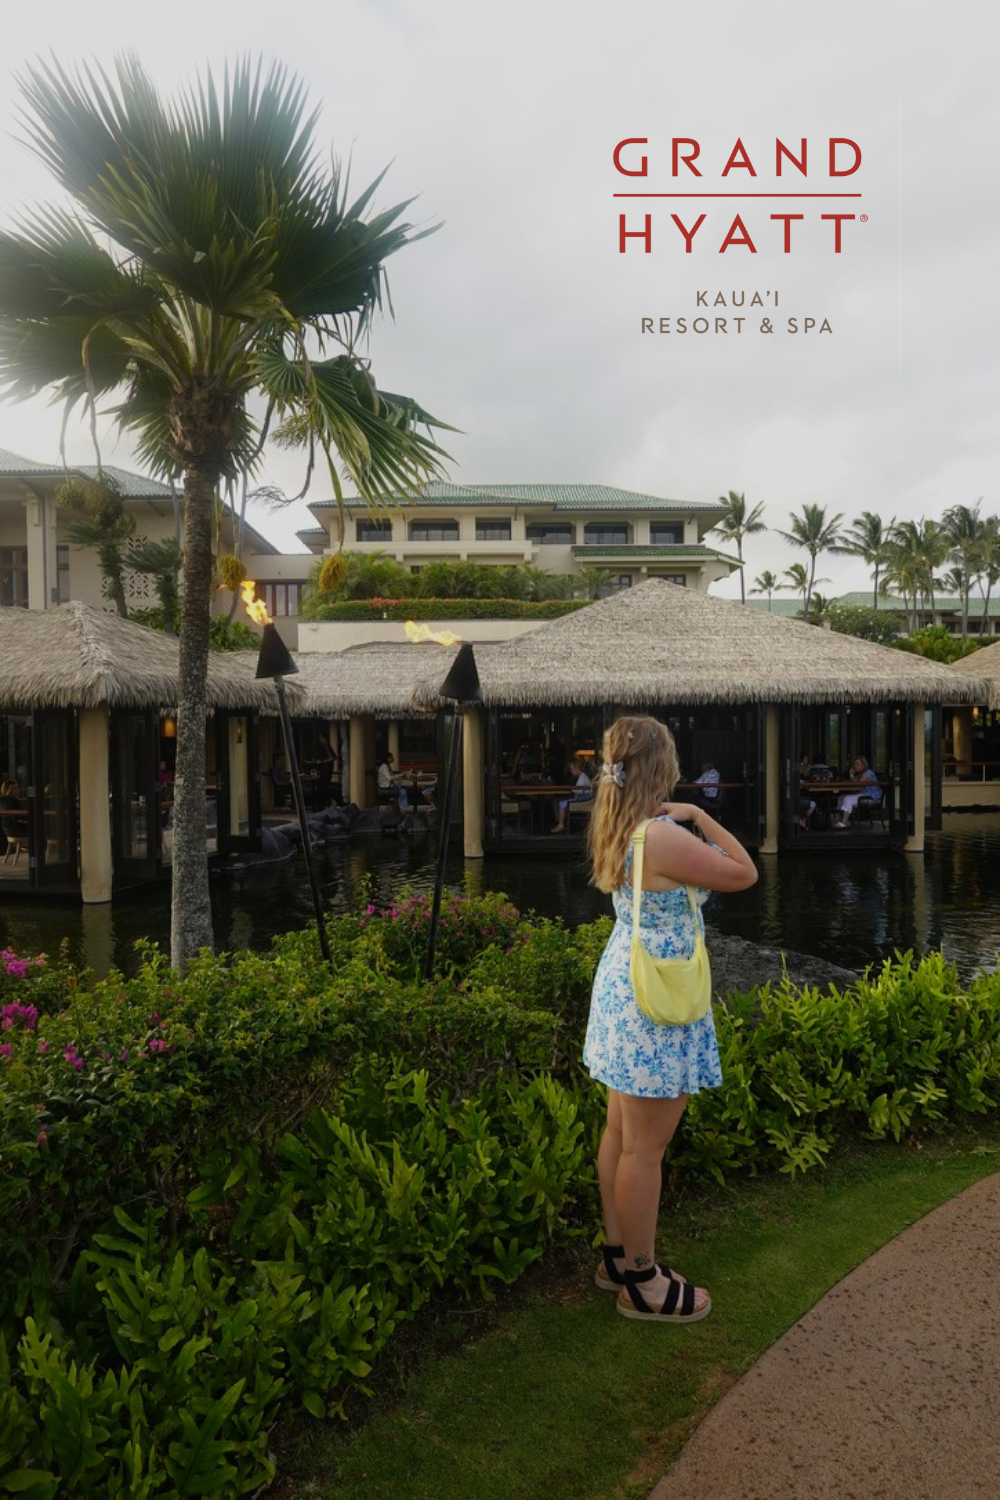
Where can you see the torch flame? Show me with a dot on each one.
(255, 608)
(417, 633)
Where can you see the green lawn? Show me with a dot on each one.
(555, 1397)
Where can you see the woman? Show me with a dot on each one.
(649, 1069)
(860, 771)
(581, 793)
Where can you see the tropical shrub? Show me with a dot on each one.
(937, 643)
(866, 622)
(443, 609)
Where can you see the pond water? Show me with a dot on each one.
(849, 907)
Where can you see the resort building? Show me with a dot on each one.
(562, 528)
(41, 568)
(983, 616)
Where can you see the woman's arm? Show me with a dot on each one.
(675, 855)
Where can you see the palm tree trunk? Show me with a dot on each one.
(875, 590)
(739, 554)
(191, 908)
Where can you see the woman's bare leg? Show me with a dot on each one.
(607, 1167)
(647, 1128)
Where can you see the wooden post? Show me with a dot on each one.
(392, 741)
(360, 790)
(473, 809)
(915, 843)
(961, 734)
(772, 781)
(95, 817)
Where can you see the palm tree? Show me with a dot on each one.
(812, 530)
(211, 256)
(987, 564)
(161, 561)
(963, 527)
(738, 523)
(917, 549)
(591, 583)
(102, 524)
(766, 583)
(798, 579)
(868, 537)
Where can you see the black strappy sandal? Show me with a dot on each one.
(610, 1279)
(678, 1305)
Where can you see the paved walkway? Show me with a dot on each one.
(889, 1389)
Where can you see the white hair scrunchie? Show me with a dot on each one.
(614, 771)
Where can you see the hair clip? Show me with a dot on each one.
(614, 772)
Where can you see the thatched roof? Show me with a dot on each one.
(77, 656)
(374, 679)
(660, 643)
(984, 666)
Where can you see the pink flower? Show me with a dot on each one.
(124, 1055)
(43, 1046)
(369, 911)
(6, 1049)
(42, 1139)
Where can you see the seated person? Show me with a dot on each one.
(862, 773)
(709, 783)
(582, 793)
(386, 780)
(281, 781)
(807, 805)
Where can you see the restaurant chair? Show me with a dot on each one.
(580, 811)
(868, 810)
(17, 840)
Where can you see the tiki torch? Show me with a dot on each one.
(461, 688)
(275, 661)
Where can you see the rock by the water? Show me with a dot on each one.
(741, 965)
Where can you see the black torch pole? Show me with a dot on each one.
(451, 776)
(300, 808)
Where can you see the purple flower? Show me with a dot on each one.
(157, 1044)
(72, 1057)
(6, 1049)
(43, 1046)
(42, 1139)
(124, 1055)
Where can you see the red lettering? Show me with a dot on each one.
(787, 219)
(689, 160)
(782, 150)
(840, 140)
(838, 220)
(688, 234)
(732, 240)
(635, 234)
(732, 162)
(633, 140)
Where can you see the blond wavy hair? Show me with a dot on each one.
(648, 756)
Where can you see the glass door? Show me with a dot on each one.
(17, 840)
(54, 800)
(135, 805)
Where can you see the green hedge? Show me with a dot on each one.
(445, 609)
(221, 1194)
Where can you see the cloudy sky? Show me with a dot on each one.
(520, 321)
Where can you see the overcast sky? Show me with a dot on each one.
(520, 321)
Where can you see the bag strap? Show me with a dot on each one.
(638, 846)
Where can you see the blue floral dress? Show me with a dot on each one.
(625, 1049)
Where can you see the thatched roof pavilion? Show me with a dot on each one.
(377, 679)
(76, 656)
(983, 666)
(660, 643)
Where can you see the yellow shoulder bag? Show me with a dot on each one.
(670, 991)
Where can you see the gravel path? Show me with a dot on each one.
(888, 1389)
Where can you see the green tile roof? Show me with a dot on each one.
(14, 465)
(132, 486)
(559, 496)
(948, 603)
(641, 549)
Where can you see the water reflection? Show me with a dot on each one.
(852, 908)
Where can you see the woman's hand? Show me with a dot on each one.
(681, 812)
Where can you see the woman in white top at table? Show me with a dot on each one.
(861, 772)
(581, 793)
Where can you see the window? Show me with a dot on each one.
(678, 578)
(282, 599)
(616, 584)
(666, 534)
(552, 533)
(62, 569)
(605, 534)
(374, 531)
(492, 531)
(433, 531)
(14, 576)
